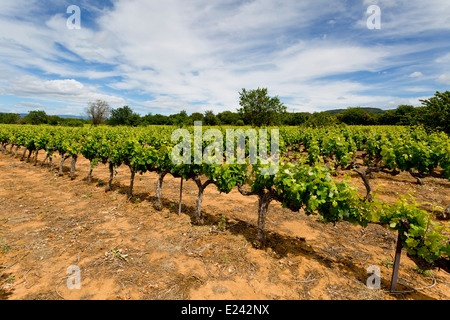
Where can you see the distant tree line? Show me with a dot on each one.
(257, 109)
(41, 117)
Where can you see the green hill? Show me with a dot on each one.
(368, 110)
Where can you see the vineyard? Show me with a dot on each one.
(327, 182)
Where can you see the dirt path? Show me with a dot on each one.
(128, 250)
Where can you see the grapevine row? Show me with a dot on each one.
(305, 184)
(381, 149)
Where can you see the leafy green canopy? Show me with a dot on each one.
(303, 184)
(258, 108)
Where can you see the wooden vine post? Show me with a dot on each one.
(398, 253)
(181, 194)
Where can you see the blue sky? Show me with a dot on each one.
(196, 55)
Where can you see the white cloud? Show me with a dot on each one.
(410, 17)
(416, 74)
(17, 7)
(25, 106)
(444, 78)
(444, 60)
(67, 90)
(199, 54)
(418, 89)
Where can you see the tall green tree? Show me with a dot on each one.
(295, 118)
(210, 118)
(9, 118)
(178, 119)
(437, 112)
(36, 117)
(321, 119)
(259, 109)
(228, 117)
(124, 116)
(157, 119)
(196, 116)
(389, 117)
(356, 116)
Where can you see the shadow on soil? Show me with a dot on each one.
(283, 245)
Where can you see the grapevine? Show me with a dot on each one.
(303, 180)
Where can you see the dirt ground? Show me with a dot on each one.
(128, 250)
